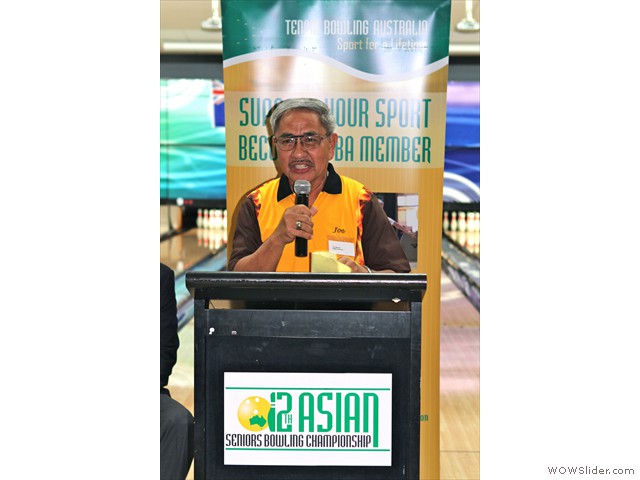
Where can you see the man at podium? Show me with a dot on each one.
(312, 206)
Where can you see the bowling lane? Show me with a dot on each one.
(461, 251)
(468, 242)
(183, 251)
(463, 269)
(194, 249)
(185, 240)
(462, 228)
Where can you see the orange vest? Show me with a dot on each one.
(337, 226)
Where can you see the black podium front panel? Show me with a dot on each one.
(299, 341)
(288, 392)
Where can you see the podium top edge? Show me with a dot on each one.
(294, 280)
(308, 277)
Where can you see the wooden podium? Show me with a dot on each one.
(309, 376)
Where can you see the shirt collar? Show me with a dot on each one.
(333, 185)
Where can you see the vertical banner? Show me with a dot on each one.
(382, 67)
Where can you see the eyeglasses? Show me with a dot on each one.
(308, 142)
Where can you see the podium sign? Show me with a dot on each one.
(297, 418)
(313, 376)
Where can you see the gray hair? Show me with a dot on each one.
(313, 104)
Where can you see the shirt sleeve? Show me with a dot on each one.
(246, 238)
(380, 244)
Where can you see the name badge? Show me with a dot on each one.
(342, 248)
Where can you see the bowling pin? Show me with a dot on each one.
(471, 241)
(454, 222)
(218, 238)
(471, 222)
(462, 239)
(199, 236)
(199, 219)
(462, 223)
(445, 221)
(213, 218)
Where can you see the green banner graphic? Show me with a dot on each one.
(394, 39)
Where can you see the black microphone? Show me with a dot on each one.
(302, 189)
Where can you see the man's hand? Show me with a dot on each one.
(294, 217)
(355, 268)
